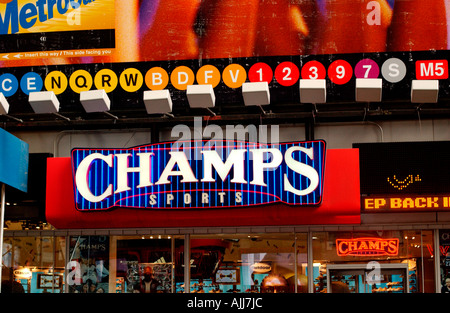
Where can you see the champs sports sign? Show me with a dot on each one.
(199, 174)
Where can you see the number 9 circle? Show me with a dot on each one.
(340, 72)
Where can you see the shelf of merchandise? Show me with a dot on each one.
(353, 275)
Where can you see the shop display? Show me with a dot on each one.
(361, 278)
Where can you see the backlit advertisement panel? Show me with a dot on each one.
(54, 29)
(199, 174)
(153, 30)
(126, 47)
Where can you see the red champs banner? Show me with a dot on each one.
(340, 204)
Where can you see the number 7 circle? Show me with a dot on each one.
(367, 68)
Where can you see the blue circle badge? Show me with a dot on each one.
(8, 84)
(31, 82)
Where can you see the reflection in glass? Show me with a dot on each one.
(263, 263)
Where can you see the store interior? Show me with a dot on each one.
(222, 263)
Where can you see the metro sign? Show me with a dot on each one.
(199, 174)
(432, 69)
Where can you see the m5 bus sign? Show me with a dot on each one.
(199, 174)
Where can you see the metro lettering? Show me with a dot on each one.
(131, 80)
(157, 79)
(30, 13)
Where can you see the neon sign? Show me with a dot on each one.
(402, 184)
(199, 174)
(367, 247)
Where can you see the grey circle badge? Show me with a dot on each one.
(393, 70)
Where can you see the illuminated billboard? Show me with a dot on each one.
(199, 174)
(153, 30)
(70, 46)
(54, 30)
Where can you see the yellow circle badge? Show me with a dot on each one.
(131, 80)
(56, 81)
(106, 79)
(80, 80)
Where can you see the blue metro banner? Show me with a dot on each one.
(199, 174)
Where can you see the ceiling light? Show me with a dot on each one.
(256, 94)
(424, 91)
(45, 102)
(313, 91)
(368, 89)
(96, 101)
(4, 105)
(201, 96)
(158, 102)
(4, 108)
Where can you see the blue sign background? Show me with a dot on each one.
(220, 194)
(13, 161)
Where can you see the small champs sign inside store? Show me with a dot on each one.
(367, 246)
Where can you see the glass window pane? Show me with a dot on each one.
(302, 263)
(144, 264)
(444, 253)
(243, 263)
(88, 264)
(30, 265)
(394, 261)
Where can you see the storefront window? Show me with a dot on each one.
(33, 265)
(444, 253)
(248, 263)
(89, 266)
(373, 262)
(302, 263)
(148, 264)
(394, 261)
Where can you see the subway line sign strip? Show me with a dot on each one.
(199, 174)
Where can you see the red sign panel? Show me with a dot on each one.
(435, 69)
(340, 204)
